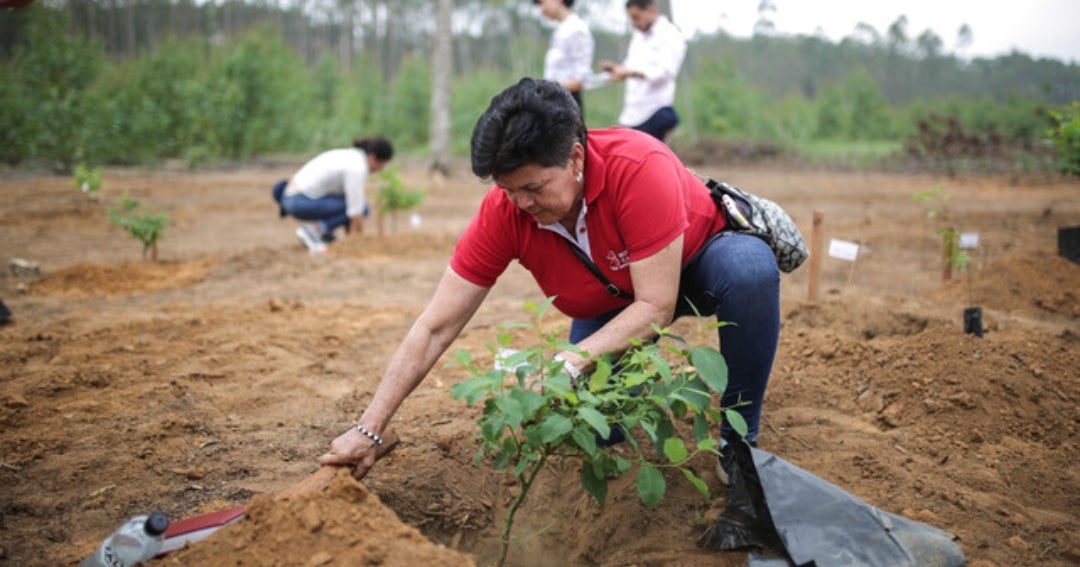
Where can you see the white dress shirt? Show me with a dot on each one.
(570, 53)
(658, 54)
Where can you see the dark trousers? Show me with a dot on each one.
(660, 123)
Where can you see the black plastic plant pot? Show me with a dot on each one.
(973, 321)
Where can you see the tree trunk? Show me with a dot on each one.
(443, 63)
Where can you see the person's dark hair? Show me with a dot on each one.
(530, 122)
(567, 3)
(640, 4)
(377, 146)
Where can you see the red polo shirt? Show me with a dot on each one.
(639, 197)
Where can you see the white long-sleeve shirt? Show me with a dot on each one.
(341, 171)
(658, 54)
(570, 53)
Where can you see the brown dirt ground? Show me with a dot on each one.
(215, 376)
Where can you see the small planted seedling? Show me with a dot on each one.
(88, 180)
(534, 412)
(140, 223)
(954, 258)
(395, 197)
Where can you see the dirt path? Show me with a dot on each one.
(215, 376)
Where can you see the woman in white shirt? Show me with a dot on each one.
(329, 190)
(568, 60)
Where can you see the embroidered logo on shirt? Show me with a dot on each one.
(617, 261)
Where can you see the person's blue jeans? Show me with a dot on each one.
(660, 123)
(328, 212)
(734, 277)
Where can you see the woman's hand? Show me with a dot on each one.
(351, 449)
(356, 225)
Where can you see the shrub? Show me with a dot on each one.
(533, 411)
(1065, 134)
(140, 223)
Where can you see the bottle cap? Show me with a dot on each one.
(156, 524)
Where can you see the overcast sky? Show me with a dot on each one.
(1039, 28)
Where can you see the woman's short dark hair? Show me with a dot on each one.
(377, 146)
(531, 122)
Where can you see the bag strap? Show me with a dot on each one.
(611, 288)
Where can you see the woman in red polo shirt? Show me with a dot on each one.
(623, 199)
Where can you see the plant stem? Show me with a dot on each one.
(504, 545)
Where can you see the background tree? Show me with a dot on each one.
(442, 62)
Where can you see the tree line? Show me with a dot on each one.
(112, 81)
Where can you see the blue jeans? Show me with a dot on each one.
(660, 123)
(328, 212)
(734, 277)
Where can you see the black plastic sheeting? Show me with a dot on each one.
(788, 517)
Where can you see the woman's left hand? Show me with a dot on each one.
(351, 449)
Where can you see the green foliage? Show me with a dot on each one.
(202, 100)
(406, 109)
(532, 411)
(726, 106)
(394, 194)
(471, 95)
(140, 223)
(1065, 133)
(147, 106)
(87, 179)
(948, 234)
(262, 90)
(51, 75)
(854, 110)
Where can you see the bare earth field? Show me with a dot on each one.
(216, 375)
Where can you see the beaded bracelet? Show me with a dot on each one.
(363, 430)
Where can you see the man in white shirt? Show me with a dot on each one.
(652, 63)
(568, 60)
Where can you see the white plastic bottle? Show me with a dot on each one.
(138, 540)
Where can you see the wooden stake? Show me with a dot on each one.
(815, 256)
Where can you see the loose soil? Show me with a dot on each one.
(216, 375)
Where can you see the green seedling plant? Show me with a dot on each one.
(395, 196)
(534, 413)
(88, 180)
(954, 258)
(140, 223)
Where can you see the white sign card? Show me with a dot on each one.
(969, 240)
(843, 249)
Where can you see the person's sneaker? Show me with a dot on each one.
(328, 237)
(309, 238)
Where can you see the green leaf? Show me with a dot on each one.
(596, 420)
(711, 366)
(511, 410)
(471, 390)
(595, 485)
(736, 421)
(600, 376)
(696, 393)
(675, 450)
(585, 440)
(553, 427)
(650, 485)
(697, 482)
(701, 427)
(529, 402)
